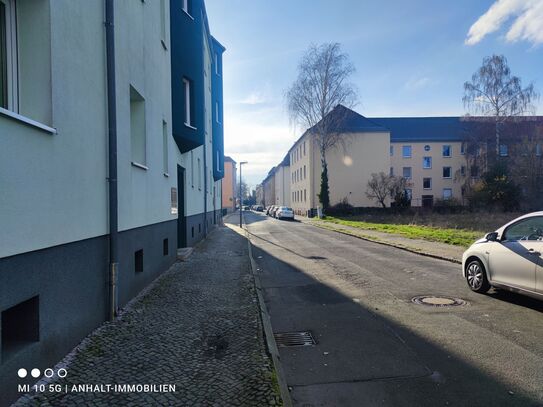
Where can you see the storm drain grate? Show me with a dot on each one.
(437, 301)
(289, 339)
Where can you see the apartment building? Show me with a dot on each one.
(428, 151)
(229, 185)
(350, 164)
(268, 188)
(65, 93)
(282, 182)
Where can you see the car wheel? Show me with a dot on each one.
(476, 277)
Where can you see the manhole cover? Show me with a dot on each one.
(289, 339)
(437, 301)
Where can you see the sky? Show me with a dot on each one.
(411, 58)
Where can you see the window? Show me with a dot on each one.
(426, 162)
(8, 56)
(462, 148)
(191, 168)
(406, 151)
(447, 193)
(503, 150)
(427, 183)
(187, 6)
(199, 175)
(305, 174)
(20, 326)
(409, 193)
(187, 84)
(165, 146)
(391, 171)
(304, 148)
(216, 57)
(525, 229)
(174, 205)
(305, 195)
(446, 151)
(391, 151)
(406, 173)
(217, 112)
(138, 261)
(427, 201)
(447, 172)
(137, 127)
(218, 162)
(163, 22)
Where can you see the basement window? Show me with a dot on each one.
(165, 247)
(20, 327)
(138, 261)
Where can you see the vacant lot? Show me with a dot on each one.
(460, 229)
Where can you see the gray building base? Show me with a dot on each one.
(51, 299)
(195, 226)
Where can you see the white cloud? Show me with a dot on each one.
(417, 83)
(527, 24)
(254, 98)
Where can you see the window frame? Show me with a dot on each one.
(449, 147)
(424, 167)
(410, 172)
(450, 172)
(443, 193)
(188, 98)
(11, 74)
(430, 183)
(410, 151)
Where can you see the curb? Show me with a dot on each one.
(369, 239)
(268, 332)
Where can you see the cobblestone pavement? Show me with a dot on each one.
(198, 328)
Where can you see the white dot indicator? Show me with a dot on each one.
(62, 373)
(22, 373)
(35, 373)
(48, 372)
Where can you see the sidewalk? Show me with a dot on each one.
(424, 247)
(198, 328)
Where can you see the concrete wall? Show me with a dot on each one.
(438, 183)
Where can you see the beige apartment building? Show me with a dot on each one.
(427, 151)
(229, 185)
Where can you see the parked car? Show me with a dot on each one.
(259, 208)
(509, 258)
(271, 210)
(246, 208)
(284, 212)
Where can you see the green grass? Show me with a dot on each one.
(457, 237)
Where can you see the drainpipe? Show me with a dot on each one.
(205, 187)
(112, 159)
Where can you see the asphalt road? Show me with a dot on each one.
(377, 348)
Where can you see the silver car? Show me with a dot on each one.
(284, 212)
(509, 258)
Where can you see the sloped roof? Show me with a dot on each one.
(424, 128)
(347, 120)
(227, 158)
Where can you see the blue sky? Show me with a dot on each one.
(411, 58)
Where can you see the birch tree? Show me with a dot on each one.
(321, 86)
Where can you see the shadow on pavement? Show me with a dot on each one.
(365, 359)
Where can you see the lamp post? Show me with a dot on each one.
(240, 197)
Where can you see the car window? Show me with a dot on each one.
(526, 229)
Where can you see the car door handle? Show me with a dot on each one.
(532, 251)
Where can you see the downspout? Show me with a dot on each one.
(205, 186)
(112, 159)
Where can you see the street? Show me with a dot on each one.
(374, 346)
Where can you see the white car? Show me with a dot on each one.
(509, 258)
(284, 212)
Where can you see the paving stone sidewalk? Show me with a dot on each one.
(434, 249)
(198, 327)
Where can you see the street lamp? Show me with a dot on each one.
(240, 197)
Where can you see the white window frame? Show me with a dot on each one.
(410, 172)
(447, 197)
(443, 150)
(410, 151)
(192, 168)
(427, 178)
(188, 108)
(165, 147)
(185, 6)
(450, 172)
(12, 69)
(424, 167)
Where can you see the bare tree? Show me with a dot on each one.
(382, 186)
(493, 91)
(321, 86)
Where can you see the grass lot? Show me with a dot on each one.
(456, 229)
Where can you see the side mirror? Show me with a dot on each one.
(491, 237)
